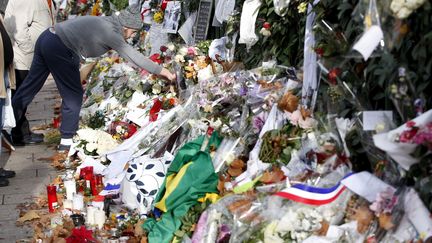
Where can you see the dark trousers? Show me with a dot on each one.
(52, 56)
(22, 126)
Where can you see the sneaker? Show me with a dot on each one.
(61, 148)
(33, 138)
(7, 141)
(7, 173)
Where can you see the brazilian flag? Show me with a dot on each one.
(190, 176)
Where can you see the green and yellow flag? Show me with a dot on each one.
(190, 176)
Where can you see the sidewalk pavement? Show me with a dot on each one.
(32, 175)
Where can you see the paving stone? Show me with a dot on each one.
(8, 213)
(33, 185)
(25, 174)
(46, 173)
(14, 199)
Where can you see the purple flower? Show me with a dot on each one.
(243, 90)
(259, 121)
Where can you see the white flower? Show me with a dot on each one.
(216, 124)
(179, 58)
(156, 89)
(205, 74)
(307, 123)
(171, 46)
(396, 5)
(229, 158)
(119, 129)
(270, 233)
(90, 147)
(183, 51)
(413, 4)
(403, 13)
(265, 32)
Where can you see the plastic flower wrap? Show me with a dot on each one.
(262, 217)
(401, 142)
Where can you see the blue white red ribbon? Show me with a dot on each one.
(313, 195)
(110, 189)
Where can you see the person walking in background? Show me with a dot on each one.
(59, 50)
(3, 4)
(25, 21)
(7, 80)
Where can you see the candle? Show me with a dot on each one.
(99, 218)
(99, 179)
(52, 198)
(68, 204)
(86, 170)
(98, 202)
(93, 184)
(91, 215)
(78, 202)
(70, 187)
(123, 239)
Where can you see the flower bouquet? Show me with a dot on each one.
(401, 142)
(121, 130)
(94, 142)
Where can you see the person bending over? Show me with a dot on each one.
(59, 50)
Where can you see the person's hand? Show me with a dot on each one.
(168, 75)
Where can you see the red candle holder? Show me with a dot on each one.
(93, 185)
(86, 170)
(52, 198)
(56, 122)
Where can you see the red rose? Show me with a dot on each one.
(163, 48)
(406, 136)
(156, 58)
(164, 5)
(333, 74)
(410, 124)
(319, 51)
(266, 25)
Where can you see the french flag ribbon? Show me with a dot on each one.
(306, 194)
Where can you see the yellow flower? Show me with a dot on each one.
(302, 7)
(158, 17)
(208, 108)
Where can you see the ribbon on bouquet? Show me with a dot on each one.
(311, 195)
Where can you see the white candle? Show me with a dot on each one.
(78, 202)
(99, 218)
(91, 215)
(68, 204)
(99, 205)
(70, 186)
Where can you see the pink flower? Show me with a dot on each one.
(423, 137)
(191, 51)
(294, 117)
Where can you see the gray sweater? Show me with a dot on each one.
(91, 36)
